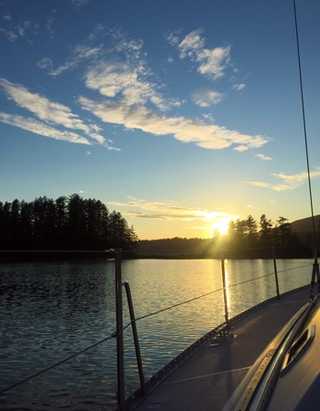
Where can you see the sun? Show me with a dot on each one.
(218, 223)
(221, 226)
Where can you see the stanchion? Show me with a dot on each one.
(225, 297)
(119, 327)
(275, 272)
(224, 334)
(135, 336)
(315, 275)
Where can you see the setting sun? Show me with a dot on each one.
(221, 226)
(218, 223)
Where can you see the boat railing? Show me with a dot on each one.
(118, 334)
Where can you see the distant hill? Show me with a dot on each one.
(303, 229)
(174, 248)
(304, 225)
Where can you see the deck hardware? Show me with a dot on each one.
(135, 335)
(298, 348)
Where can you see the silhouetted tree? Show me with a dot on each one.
(64, 223)
(252, 228)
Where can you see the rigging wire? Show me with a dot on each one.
(314, 228)
(50, 367)
(170, 307)
(142, 317)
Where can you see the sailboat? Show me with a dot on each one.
(286, 375)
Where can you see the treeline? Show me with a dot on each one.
(263, 238)
(65, 223)
(247, 238)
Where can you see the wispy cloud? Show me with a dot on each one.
(287, 181)
(210, 62)
(263, 157)
(49, 25)
(241, 148)
(207, 98)
(134, 100)
(11, 35)
(14, 32)
(209, 136)
(79, 3)
(298, 178)
(48, 111)
(169, 210)
(239, 86)
(128, 83)
(79, 54)
(271, 186)
(42, 129)
(94, 51)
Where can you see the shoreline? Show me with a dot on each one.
(58, 255)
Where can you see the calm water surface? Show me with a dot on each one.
(50, 310)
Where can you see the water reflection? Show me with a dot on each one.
(49, 310)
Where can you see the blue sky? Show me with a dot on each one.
(178, 114)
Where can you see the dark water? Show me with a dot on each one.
(50, 310)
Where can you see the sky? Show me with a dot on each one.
(181, 115)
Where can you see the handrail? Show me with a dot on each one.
(170, 307)
(142, 317)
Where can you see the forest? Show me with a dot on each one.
(74, 223)
(247, 238)
(67, 223)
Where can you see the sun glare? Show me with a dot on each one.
(221, 226)
(218, 223)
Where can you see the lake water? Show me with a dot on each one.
(50, 310)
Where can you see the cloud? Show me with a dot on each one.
(263, 157)
(79, 54)
(287, 181)
(298, 178)
(271, 186)
(15, 32)
(128, 83)
(49, 26)
(239, 86)
(131, 49)
(46, 110)
(193, 42)
(79, 3)
(93, 51)
(9, 34)
(241, 148)
(206, 98)
(210, 62)
(42, 129)
(167, 211)
(45, 64)
(209, 136)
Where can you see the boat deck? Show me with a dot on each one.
(206, 379)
